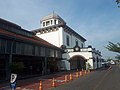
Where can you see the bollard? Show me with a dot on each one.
(77, 74)
(81, 74)
(88, 70)
(85, 72)
(40, 87)
(71, 77)
(82, 69)
(65, 78)
(53, 82)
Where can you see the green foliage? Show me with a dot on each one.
(117, 1)
(88, 66)
(109, 59)
(118, 57)
(113, 47)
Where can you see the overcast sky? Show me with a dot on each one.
(96, 20)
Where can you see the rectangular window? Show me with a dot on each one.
(9, 44)
(36, 51)
(47, 23)
(22, 48)
(51, 22)
(42, 51)
(55, 21)
(51, 53)
(33, 50)
(18, 48)
(43, 23)
(67, 40)
(82, 45)
(30, 49)
(14, 49)
(76, 42)
(3, 45)
(39, 51)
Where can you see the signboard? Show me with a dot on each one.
(13, 81)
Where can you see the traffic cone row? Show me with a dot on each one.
(81, 73)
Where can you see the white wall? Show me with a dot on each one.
(72, 40)
(58, 38)
(51, 37)
(86, 55)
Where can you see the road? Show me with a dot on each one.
(105, 79)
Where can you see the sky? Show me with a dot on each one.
(96, 20)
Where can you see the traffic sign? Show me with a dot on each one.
(13, 81)
(13, 78)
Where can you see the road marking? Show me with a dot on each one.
(60, 80)
(95, 88)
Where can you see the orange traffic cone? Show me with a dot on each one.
(65, 78)
(85, 72)
(89, 71)
(53, 82)
(71, 77)
(77, 74)
(40, 87)
(82, 69)
(81, 73)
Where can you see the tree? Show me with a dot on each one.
(114, 48)
(117, 57)
(118, 1)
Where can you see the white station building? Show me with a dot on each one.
(75, 55)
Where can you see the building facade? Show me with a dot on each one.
(23, 53)
(75, 55)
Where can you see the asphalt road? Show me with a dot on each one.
(105, 79)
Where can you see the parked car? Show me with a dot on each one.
(112, 62)
(105, 64)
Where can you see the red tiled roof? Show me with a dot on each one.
(33, 39)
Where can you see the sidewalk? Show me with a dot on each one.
(47, 81)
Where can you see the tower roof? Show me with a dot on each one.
(52, 16)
